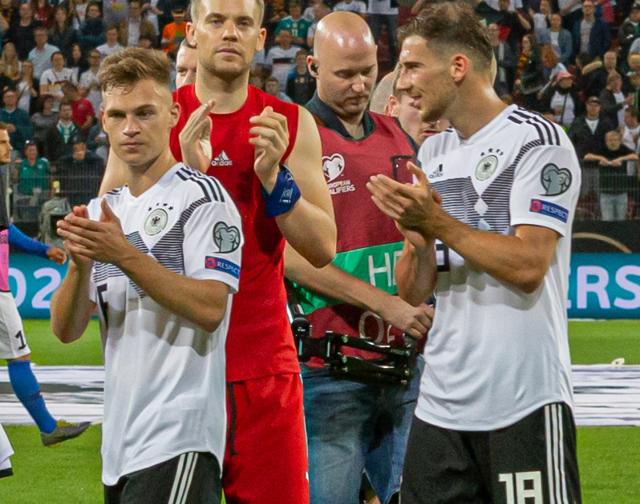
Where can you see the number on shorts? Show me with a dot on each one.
(23, 343)
(527, 487)
(104, 306)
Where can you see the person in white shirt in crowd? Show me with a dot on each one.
(165, 418)
(41, 54)
(357, 6)
(53, 78)
(282, 57)
(111, 46)
(89, 84)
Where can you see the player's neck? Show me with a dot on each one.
(468, 116)
(229, 96)
(143, 177)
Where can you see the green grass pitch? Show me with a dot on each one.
(70, 473)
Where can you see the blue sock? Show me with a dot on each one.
(27, 390)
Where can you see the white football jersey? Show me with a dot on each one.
(495, 354)
(164, 376)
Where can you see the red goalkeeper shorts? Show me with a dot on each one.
(266, 455)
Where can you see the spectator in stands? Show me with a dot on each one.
(634, 90)
(591, 75)
(613, 101)
(52, 79)
(92, 28)
(570, 12)
(610, 62)
(559, 38)
(43, 120)
(281, 57)
(514, 24)
(21, 31)
(114, 12)
(98, 141)
(297, 25)
(506, 62)
(562, 99)
(587, 135)
(7, 12)
(78, 12)
(41, 54)
(320, 10)
(300, 84)
(62, 33)
(551, 66)
(151, 11)
(77, 62)
(542, 19)
(82, 111)
(272, 86)
(135, 26)
(357, 6)
(5, 82)
(186, 64)
(631, 129)
(382, 12)
(529, 78)
(111, 46)
(58, 138)
(18, 122)
(43, 12)
(614, 181)
(33, 172)
(79, 173)
(591, 35)
(11, 62)
(89, 85)
(174, 32)
(629, 30)
(26, 87)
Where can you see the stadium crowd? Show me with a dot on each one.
(577, 64)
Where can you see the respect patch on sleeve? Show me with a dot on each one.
(549, 209)
(218, 264)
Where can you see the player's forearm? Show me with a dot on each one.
(330, 281)
(71, 307)
(506, 258)
(416, 274)
(310, 231)
(202, 302)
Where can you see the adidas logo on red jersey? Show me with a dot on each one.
(221, 160)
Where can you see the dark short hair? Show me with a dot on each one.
(452, 26)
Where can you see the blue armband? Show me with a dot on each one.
(285, 194)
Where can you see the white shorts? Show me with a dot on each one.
(5, 453)
(13, 342)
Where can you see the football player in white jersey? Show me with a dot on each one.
(488, 230)
(160, 257)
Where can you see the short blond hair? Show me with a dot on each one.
(195, 4)
(128, 66)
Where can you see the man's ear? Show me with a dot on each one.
(460, 66)
(312, 65)
(391, 107)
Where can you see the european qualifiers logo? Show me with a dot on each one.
(226, 238)
(488, 165)
(333, 168)
(157, 219)
(556, 181)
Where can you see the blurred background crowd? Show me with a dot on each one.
(576, 62)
